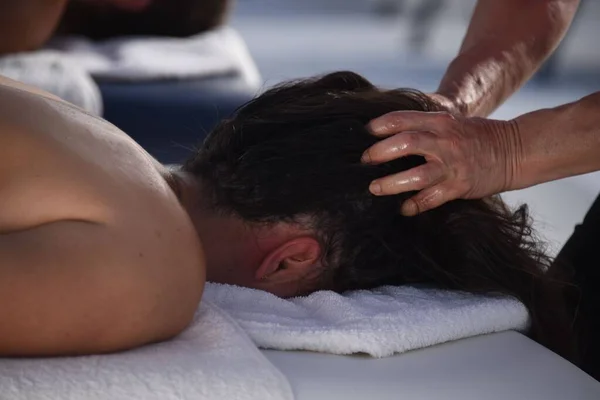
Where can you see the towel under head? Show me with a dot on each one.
(378, 322)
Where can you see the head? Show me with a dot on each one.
(286, 207)
(100, 20)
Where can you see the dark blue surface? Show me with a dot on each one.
(169, 118)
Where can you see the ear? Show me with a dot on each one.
(290, 262)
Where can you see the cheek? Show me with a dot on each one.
(233, 275)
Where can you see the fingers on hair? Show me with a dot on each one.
(425, 200)
(399, 121)
(399, 145)
(414, 179)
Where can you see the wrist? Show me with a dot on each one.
(451, 104)
(538, 159)
(514, 159)
(561, 142)
(504, 150)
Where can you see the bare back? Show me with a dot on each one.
(96, 253)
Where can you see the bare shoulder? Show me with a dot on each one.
(72, 287)
(95, 248)
(43, 145)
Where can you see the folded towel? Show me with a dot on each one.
(212, 359)
(217, 52)
(378, 322)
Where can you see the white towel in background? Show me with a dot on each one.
(53, 72)
(66, 66)
(212, 359)
(141, 58)
(378, 322)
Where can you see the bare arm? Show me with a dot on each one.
(506, 42)
(470, 157)
(475, 157)
(555, 143)
(80, 271)
(27, 24)
(63, 292)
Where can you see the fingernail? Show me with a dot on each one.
(375, 188)
(366, 158)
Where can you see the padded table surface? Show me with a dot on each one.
(499, 366)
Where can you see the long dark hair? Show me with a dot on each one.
(294, 152)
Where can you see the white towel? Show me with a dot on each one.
(53, 72)
(66, 65)
(378, 322)
(212, 359)
(133, 58)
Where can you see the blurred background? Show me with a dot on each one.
(409, 43)
(392, 42)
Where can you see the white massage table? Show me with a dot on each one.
(491, 367)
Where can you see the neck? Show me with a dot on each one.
(233, 249)
(186, 188)
(224, 238)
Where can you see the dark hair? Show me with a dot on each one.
(177, 18)
(294, 152)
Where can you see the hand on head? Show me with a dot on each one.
(467, 158)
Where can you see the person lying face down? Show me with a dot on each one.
(280, 199)
(276, 198)
(285, 206)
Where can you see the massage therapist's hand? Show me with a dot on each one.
(466, 157)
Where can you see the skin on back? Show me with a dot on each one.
(96, 253)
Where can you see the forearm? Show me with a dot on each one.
(27, 24)
(506, 42)
(556, 143)
(73, 287)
